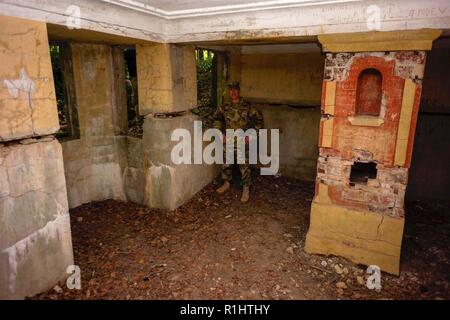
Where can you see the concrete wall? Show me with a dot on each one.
(429, 174)
(168, 185)
(150, 178)
(95, 162)
(299, 131)
(134, 179)
(273, 80)
(35, 240)
(283, 77)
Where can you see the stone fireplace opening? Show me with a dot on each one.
(361, 172)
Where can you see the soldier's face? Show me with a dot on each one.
(234, 94)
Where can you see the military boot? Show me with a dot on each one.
(223, 188)
(245, 194)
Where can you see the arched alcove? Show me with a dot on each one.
(369, 92)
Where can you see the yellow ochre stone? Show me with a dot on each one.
(360, 236)
(366, 121)
(27, 93)
(379, 40)
(327, 133)
(401, 147)
(330, 97)
(167, 77)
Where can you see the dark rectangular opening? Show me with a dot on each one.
(61, 59)
(135, 120)
(363, 171)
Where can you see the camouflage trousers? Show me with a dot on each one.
(245, 169)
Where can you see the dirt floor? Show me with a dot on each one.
(214, 247)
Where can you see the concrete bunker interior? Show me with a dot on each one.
(347, 120)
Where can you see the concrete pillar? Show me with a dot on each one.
(363, 219)
(94, 163)
(167, 78)
(35, 239)
(167, 91)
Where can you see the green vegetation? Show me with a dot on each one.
(205, 89)
(55, 56)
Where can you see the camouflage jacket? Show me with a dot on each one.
(239, 116)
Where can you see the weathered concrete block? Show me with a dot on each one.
(167, 78)
(361, 236)
(35, 239)
(168, 185)
(94, 163)
(27, 94)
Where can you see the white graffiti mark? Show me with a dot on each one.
(24, 83)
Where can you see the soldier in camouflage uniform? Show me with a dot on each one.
(238, 114)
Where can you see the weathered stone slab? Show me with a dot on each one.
(168, 185)
(35, 239)
(361, 236)
(27, 94)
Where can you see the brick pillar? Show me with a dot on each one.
(370, 100)
(35, 239)
(167, 84)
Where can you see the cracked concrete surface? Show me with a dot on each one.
(27, 94)
(35, 238)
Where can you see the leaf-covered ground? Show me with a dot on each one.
(214, 247)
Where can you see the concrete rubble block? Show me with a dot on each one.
(168, 185)
(35, 239)
(167, 78)
(27, 94)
